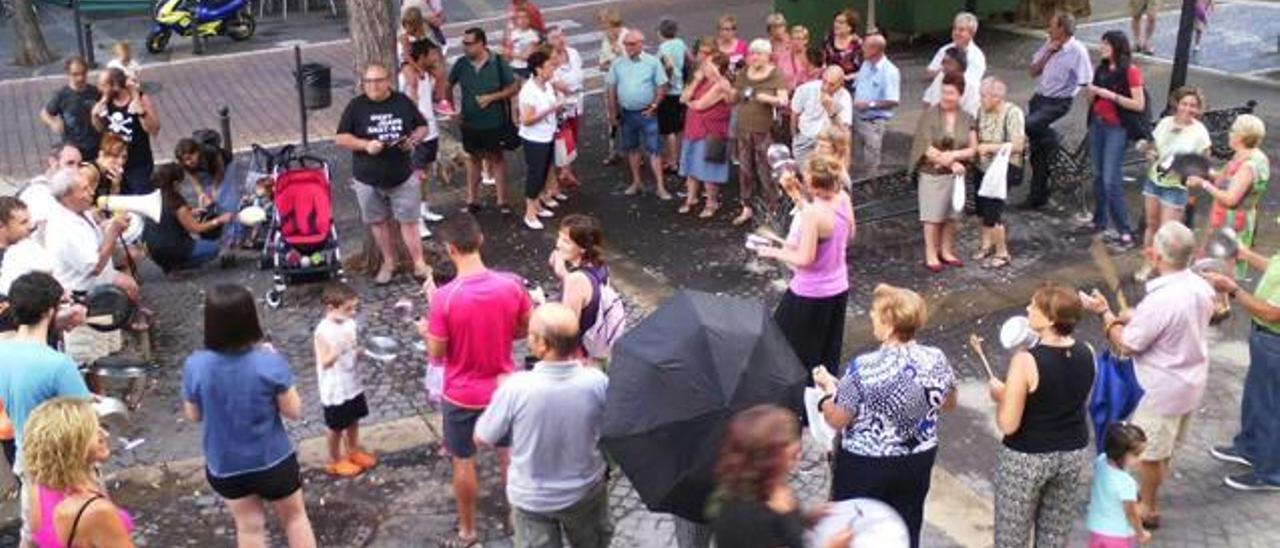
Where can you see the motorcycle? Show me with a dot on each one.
(200, 19)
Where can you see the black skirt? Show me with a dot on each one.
(814, 327)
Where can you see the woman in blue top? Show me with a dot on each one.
(886, 408)
(240, 388)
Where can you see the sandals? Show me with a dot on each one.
(983, 253)
(709, 211)
(686, 207)
(743, 217)
(997, 262)
(383, 277)
(458, 541)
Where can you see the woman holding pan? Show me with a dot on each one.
(1040, 408)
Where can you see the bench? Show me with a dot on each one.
(1071, 171)
(114, 6)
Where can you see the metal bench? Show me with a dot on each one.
(85, 9)
(1071, 171)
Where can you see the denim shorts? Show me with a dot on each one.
(638, 129)
(1169, 197)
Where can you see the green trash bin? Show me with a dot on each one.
(816, 15)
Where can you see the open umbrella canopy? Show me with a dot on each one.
(676, 378)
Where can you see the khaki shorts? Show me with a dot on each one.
(1165, 433)
(1143, 7)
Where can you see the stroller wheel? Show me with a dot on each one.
(274, 298)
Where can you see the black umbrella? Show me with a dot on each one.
(674, 381)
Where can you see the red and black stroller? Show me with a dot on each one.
(302, 241)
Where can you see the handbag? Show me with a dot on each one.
(716, 149)
(780, 130)
(508, 135)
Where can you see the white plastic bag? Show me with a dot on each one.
(434, 382)
(823, 434)
(957, 193)
(995, 183)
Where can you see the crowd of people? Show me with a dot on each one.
(701, 112)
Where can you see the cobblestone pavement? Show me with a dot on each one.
(654, 244)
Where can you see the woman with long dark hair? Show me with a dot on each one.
(1116, 99)
(179, 240)
(843, 47)
(756, 507)
(240, 388)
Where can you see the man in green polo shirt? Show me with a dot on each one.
(1258, 443)
(486, 83)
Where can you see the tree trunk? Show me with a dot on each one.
(373, 40)
(31, 48)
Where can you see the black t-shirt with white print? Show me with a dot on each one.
(389, 120)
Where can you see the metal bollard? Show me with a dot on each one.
(88, 46)
(224, 125)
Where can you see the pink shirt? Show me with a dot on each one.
(478, 317)
(1167, 335)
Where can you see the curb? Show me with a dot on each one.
(1144, 58)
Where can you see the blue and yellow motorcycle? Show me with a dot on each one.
(200, 19)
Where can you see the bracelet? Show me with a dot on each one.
(823, 400)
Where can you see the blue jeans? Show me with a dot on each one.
(1259, 437)
(202, 252)
(1106, 148)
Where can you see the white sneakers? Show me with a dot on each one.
(423, 231)
(430, 216)
(533, 224)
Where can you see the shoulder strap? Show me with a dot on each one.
(76, 523)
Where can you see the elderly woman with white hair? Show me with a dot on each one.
(1238, 189)
(1000, 124)
(759, 91)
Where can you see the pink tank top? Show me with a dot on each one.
(828, 274)
(47, 535)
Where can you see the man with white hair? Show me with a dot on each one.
(80, 248)
(637, 83)
(963, 28)
(875, 98)
(816, 105)
(1166, 334)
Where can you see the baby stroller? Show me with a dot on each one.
(302, 241)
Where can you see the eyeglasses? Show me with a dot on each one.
(78, 73)
(470, 42)
(723, 29)
(632, 43)
(374, 80)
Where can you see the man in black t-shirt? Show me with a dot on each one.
(68, 111)
(380, 127)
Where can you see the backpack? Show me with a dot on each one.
(610, 321)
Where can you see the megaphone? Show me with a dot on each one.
(147, 205)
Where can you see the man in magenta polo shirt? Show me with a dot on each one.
(1166, 336)
(472, 323)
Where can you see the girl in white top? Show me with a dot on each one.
(539, 103)
(568, 82)
(522, 43)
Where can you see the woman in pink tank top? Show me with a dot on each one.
(68, 507)
(811, 313)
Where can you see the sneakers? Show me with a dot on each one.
(1228, 453)
(430, 216)
(443, 108)
(1250, 482)
(343, 469)
(362, 459)
(533, 224)
(423, 231)
(487, 179)
(546, 213)
(1123, 243)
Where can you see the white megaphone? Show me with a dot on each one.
(146, 205)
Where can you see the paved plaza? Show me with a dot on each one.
(406, 500)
